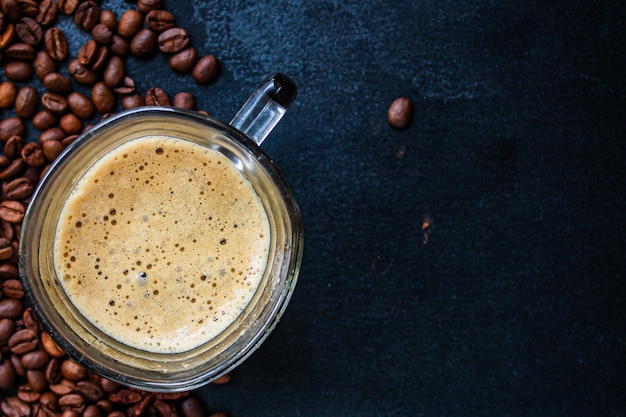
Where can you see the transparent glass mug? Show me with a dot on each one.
(239, 141)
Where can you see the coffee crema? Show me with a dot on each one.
(162, 244)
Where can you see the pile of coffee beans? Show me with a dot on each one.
(49, 95)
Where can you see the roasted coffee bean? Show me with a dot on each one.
(88, 52)
(11, 290)
(144, 43)
(125, 396)
(15, 168)
(57, 83)
(8, 92)
(102, 58)
(173, 40)
(71, 138)
(87, 15)
(17, 189)
(30, 321)
(44, 64)
(92, 410)
(184, 61)
(49, 400)
(26, 102)
(129, 24)
(33, 155)
(72, 371)
(23, 340)
(55, 103)
(157, 97)
(14, 407)
(400, 112)
(206, 69)
(35, 359)
(81, 73)
(146, 6)
(73, 402)
(68, 6)
(36, 378)
(63, 387)
(50, 346)
(103, 98)
(12, 211)
(8, 376)
(89, 390)
(13, 147)
(52, 373)
(102, 34)
(119, 46)
(184, 100)
(6, 37)
(28, 7)
(44, 120)
(133, 100)
(109, 19)
(29, 31)
(56, 44)
(80, 105)
(47, 11)
(159, 20)
(11, 9)
(20, 51)
(18, 71)
(71, 124)
(9, 270)
(113, 74)
(7, 326)
(54, 133)
(11, 126)
(26, 393)
(127, 86)
(192, 406)
(17, 365)
(108, 385)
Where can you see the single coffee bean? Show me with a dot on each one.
(400, 113)
(23, 340)
(30, 321)
(108, 385)
(26, 393)
(89, 390)
(68, 6)
(12, 211)
(6, 37)
(159, 20)
(157, 97)
(43, 64)
(51, 347)
(109, 19)
(71, 124)
(133, 100)
(57, 83)
(81, 105)
(13, 147)
(192, 406)
(206, 69)
(6, 251)
(127, 86)
(7, 326)
(37, 379)
(88, 52)
(73, 402)
(17, 365)
(114, 72)
(20, 51)
(49, 400)
(105, 405)
(119, 46)
(102, 34)
(26, 102)
(55, 103)
(9, 270)
(184, 100)
(102, 58)
(92, 410)
(14, 407)
(43, 120)
(11, 126)
(87, 15)
(184, 61)
(144, 43)
(35, 359)
(146, 6)
(129, 24)
(173, 40)
(47, 11)
(29, 31)
(103, 98)
(18, 71)
(63, 387)
(54, 133)
(17, 189)
(15, 168)
(33, 155)
(11, 9)
(72, 371)
(52, 373)
(81, 73)
(8, 376)
(8, 92)
(56, 44)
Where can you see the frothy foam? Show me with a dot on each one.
(162, 244)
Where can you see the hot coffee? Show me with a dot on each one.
(161, 244)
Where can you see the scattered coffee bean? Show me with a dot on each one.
(87, 15)
(129, 24)
(159, 20)
(173, 40)
(43, 64)
(144, 43)
(8, 92)
(157, 97)
(206, 69)
(400, 113)
(184, 61)
(57, 83)
(56, 44)
(26, 102)
(18, 71)
(29, 31)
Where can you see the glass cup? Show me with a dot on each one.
(239, 142)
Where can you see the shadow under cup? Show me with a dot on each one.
(101, 353)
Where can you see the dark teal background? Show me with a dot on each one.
(515, 304)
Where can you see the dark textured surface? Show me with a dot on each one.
(515, 303)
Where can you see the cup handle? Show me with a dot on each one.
(265, 107)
